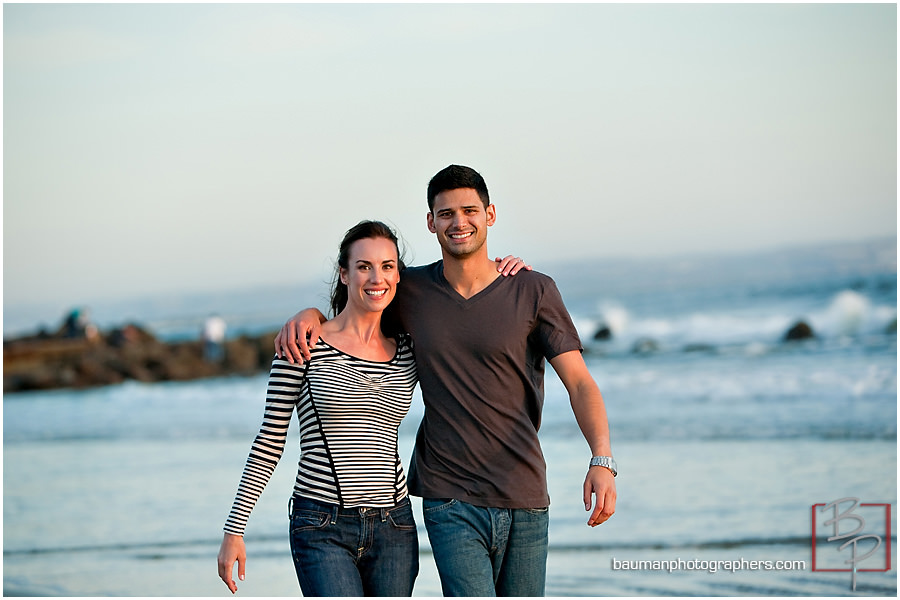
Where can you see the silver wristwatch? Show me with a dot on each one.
(605, 461)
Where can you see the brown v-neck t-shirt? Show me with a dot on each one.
(480, 363)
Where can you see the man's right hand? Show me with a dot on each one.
(292, 343)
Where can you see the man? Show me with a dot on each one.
(480, 342)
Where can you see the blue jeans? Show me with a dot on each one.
(487, 551)
(354, 551)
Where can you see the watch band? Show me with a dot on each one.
(605, 461)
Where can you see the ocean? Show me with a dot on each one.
(729, 442)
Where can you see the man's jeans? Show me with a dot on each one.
(354, 551)
(487, 551)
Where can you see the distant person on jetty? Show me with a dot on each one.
(78, 325)
(481, 342)
(352, 529)
(214, 329)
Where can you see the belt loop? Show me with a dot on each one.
(384, 514)
(291, 507)
(334, 514)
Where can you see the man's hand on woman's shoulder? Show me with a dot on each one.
(293, 341)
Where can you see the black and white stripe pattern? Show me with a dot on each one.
(349, 410)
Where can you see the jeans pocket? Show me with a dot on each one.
(402, 518)
(306, 520)
(433, 505)
(537, 511)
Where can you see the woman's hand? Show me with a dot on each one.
(232, 550)
(510, 265)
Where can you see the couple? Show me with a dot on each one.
(477, 342)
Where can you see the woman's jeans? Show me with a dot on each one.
(354, 551)
(487, 551)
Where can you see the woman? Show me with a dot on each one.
(350, 398)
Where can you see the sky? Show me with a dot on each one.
(169, 148)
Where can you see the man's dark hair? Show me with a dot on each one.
(455, 177)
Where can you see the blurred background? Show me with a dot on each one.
(713, 187)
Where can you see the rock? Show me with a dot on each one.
(129, 334)
(130, 352)
(265, 349)
(41, 377)
(799, 331)
(242, 355)
(603, 333)
(91, 371)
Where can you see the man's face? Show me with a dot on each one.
(460, 221)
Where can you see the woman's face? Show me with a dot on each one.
(372, 274)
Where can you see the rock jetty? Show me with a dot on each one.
(47, 361)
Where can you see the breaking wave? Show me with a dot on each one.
(849, 314)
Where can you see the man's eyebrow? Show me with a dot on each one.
(476, 205)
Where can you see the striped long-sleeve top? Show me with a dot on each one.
(349, 410)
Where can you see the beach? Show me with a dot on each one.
(726, 436)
